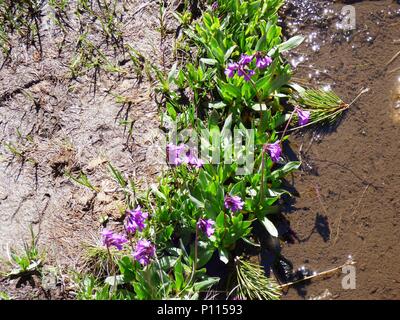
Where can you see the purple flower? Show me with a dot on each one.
(304, 116)
(144, 250)
(230, 70)
(135, 220)
(178, 156)
(246, 74)
(206, 226)
(263, 62)
(174, 153)
(194, 161)
(112, 239)
(233, 203)
(241, 68)
(214, 6)
(245, 59)
(274, 150)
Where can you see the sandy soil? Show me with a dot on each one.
(57, 124)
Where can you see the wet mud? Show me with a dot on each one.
(347, 193)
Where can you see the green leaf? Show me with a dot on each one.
(172, 74)
(158, 193)
(259, 107)
(277, 192)
(224, 255)
(205, 284)
(270, 227)
(297, 87)
(216, 50)
(217, 105)
(115, 280)
(249, 242)
(228, 53)
(238, 188)
(288, 45)
(230, 90)
(171, 111)
(287, 168)
(264, 83)
(205, 250)
(261, 44)
(210, 62)
(220, 220)
(168, 262)
(178, 273)
(227, 125)
(118, 176)
(127, 269)
(197, 202)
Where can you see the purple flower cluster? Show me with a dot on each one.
(144, 251)
(214, 6)
(263, 62)
(233, 203)
(206, 226)
(135, 220)
(274, 150)
(193, 161)
(177, 155)
(304, 116)
(174, 154)
(242, 66)
(112, 239)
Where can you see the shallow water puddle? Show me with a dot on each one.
(353, 164)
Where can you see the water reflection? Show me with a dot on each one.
(396, 100)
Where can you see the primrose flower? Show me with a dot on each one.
(144, 251)
(112, 239)
(174, 154)
(304, 116)
(193, 161)
(135, 220)
(234, 203)
(230, 70)
(263, 62)
(245, 59)
(241, 68)
(274, 150)
(214, 6)
(246, 74)
(206, 226)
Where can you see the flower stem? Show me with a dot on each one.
(287, 124)
(262, 176)
(195, 247)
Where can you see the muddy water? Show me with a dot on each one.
(348, 190)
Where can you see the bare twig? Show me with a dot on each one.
(393, 58)
(317, 275)
(394, 70)
(320, 200)
(355, 209)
